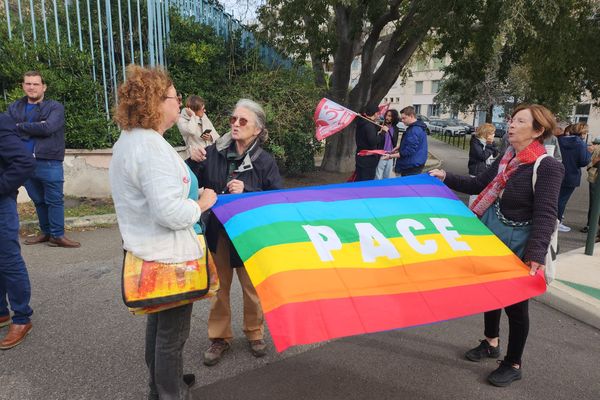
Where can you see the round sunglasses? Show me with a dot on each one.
(242, 121)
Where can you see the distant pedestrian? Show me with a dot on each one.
(196, 128)
(368, 137)
(385, 165)
(522, 216)
(41, 125)
(151, 186)
(412, 150)
(482, 149)
(575, 155)
(16, 166)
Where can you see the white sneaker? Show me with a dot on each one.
(563, 228)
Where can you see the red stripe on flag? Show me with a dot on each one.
(319, 320)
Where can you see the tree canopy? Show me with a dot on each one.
(540, 52)
(535, 46)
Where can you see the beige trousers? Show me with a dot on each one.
(219, 320)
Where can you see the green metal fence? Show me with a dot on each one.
(119, 32)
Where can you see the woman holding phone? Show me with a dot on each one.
(196, 129)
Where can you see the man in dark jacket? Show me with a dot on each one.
(16, 166)
(41, 125)
(368, 138)
(412, 152)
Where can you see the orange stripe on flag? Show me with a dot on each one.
(308, 285)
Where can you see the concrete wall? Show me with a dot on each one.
(86, 173)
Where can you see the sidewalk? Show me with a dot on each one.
(576, 289)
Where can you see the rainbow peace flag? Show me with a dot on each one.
(346, 259)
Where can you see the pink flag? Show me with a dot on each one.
(371, 152)
(383, 109)
(331, 118)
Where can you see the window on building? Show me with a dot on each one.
(582, 112)
(583, 109)
(433, 110)
(435, 86)
(397, 99)
(417, 108)
(419, 87)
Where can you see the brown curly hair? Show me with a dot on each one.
(140, 97)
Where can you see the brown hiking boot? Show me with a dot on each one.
(38, 239)
(258, 347)
(214, 353)
(63, 242)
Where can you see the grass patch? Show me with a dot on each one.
(74, 207)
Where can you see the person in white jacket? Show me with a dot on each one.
(151, 186)
(195, 126)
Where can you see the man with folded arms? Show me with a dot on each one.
(41, 125)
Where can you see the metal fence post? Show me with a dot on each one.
(593, 222)
(8, 19)
(32, 13)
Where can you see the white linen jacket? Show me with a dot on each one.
(150, 185)
(191, 129)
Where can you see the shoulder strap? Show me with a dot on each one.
(535, 168)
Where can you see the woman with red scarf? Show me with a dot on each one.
(523, 218)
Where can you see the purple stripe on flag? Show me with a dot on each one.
(226, 211)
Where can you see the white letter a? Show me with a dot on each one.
(373, 244)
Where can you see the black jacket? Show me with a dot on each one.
(47, 128)
(367, 138)
(478, 154)
(258, 170)
(16, 163)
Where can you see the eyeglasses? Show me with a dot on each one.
(243, 121)
(174, 97)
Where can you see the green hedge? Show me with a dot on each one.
(200, 62)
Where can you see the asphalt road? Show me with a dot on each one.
(85, 345)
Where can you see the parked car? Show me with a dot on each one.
(501, 129)
(457, 122)
(426, 121)
(447, 127)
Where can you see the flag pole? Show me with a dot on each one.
(368, 119)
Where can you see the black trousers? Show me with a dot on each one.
(518, 328)
(412, 171)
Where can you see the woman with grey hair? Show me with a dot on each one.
(236, 163)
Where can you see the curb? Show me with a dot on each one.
(80, 222)
(572, 302)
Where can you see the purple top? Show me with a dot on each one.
(387, 146)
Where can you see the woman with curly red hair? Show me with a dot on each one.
(151, 186)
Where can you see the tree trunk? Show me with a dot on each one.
(340, 148)
(490, 114)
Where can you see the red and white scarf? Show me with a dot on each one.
(508, 165)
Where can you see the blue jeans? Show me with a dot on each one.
(384, 169)
(14, 280)
(45, 188)
(563, 197)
